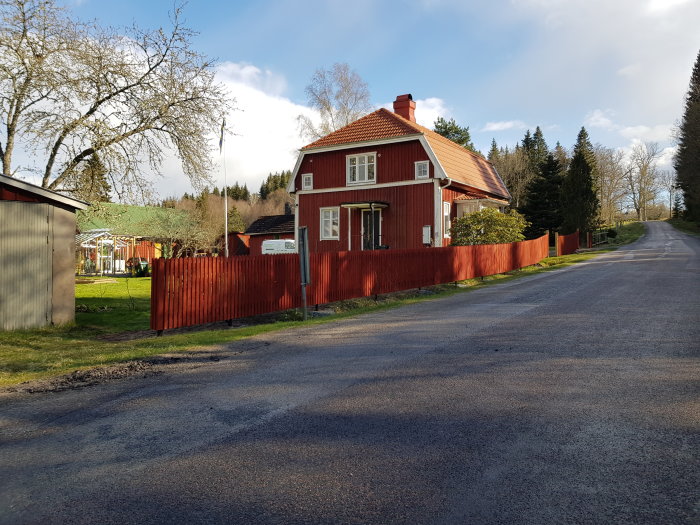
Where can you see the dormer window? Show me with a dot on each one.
(361, 169)
(422, 170)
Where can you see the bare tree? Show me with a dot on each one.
(641, 176)
(611, 183)
(669, 183)
(71, 90)
(514, 168)
(340, 96)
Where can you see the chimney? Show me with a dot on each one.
(404, 106)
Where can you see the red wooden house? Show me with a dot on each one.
(385, 181)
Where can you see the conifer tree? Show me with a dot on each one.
(543, 208)
(90, 183)
(539, 150)
(687, 161)
(562, 156)
(579, 200)
(456, 133)
(494, 152)
(235, 221)
(274, 181)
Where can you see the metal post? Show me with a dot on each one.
(371, 224)
(303, 236)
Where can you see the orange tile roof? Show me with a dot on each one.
(473, 196)
(459, 163)
(375, 126)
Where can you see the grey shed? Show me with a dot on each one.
(37, 255)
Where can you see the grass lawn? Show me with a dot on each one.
(109, 306)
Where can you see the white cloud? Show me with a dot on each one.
(249, 75)
(600, 118)
(504, 125)
(661, 6)
(667, 156)
(659, 133)
(429, 109)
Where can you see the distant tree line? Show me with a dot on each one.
(205, 210)
(590, 186)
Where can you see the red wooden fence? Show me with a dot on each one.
(567, 244)
(203, 290)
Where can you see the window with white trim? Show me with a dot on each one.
(330, 224)
(307, 181)
(361, 169)
(422, 169)
(446, 221)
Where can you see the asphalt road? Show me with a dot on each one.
(566, 397)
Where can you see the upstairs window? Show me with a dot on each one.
(307, 181)
(361, 169)
(422, 170)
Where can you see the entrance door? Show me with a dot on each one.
(371, 229)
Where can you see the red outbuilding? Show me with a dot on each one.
(385, 181)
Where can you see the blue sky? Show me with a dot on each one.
(619, 67)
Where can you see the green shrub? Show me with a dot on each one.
(488, 226)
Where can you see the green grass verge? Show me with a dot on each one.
(627, 233)
(692, 228)
(118, 305)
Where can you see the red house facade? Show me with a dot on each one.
(385, 181)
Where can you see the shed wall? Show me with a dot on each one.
(26, 263)
(63, 266)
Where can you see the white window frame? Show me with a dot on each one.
(361, 161)
(304, 178)
(446, 220)
(419, 166)
(330, 216)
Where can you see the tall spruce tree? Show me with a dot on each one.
(539, 150)
(543, 208)
(494, 152)
(578, 197)
(562, 156)
(687, 161)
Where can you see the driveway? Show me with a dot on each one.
(564, 397)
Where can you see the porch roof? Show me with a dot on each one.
(365, 205)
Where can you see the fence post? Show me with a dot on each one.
(589, 240)
(157, 294)
(556, 244)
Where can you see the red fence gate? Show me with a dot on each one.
(203, 290)
(567, 244)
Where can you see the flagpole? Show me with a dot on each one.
(223, 161)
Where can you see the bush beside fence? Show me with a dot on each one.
(203, 290)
